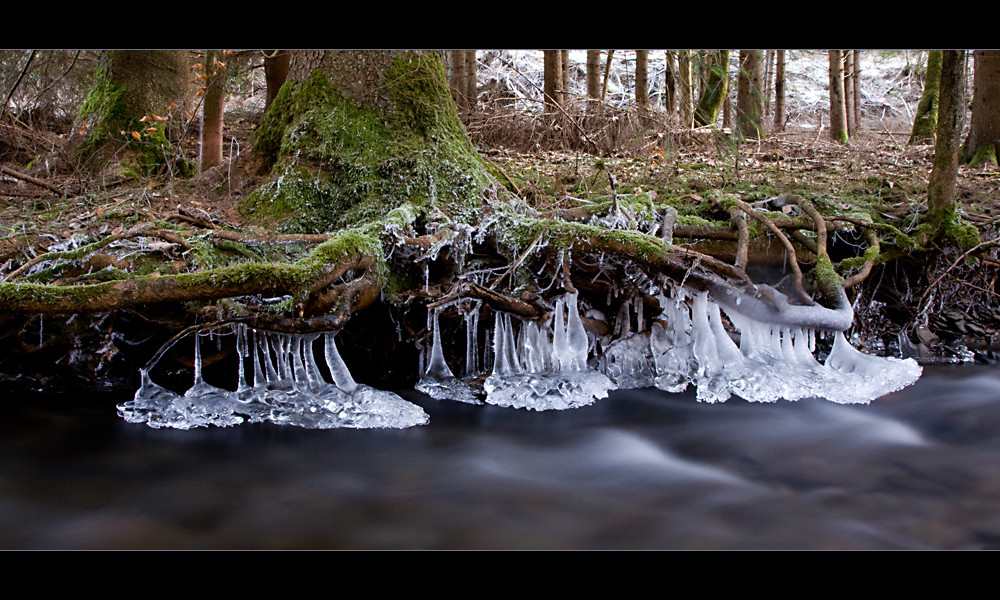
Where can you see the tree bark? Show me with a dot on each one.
(838, 111)
(670, 82)
(856, 77)
(750, 97)
(925, 121)
(564, 79)
(982, 147)
(458, 79)
(849, 93)
(951, 110)
(213, 109)
(594, 74)
(779, 92)
(471, 78)
(686, 96)
(641, 77)
(553, 78)
(715, 91)
(275, 72)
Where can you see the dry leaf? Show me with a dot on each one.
(100, 211)
(136, 135)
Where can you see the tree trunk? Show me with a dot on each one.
(275, 72)
(686, 96)
(607, 73)
(951, 110)
(982, 147)
(129, 105)
(457, 78)
(213, 110)
(594, 74)
(925, 121)
(641, 77)
(564, 79)
(670, 82)
(779, 92)
(553, 79)
(768, 75)
(838, 111)
(750, 99)
(849, 93)
(715, 92)
(471, 79)
(856, 77)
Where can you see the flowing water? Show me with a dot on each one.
(641, 469)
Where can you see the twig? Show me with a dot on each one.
(31, 180)
(980, 246)
(521, 258)
(793, 259)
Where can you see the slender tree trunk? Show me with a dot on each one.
(768, 72)
(213, 110)
(779, 92)
(856, 76)
(749, 96)
(564, 77)
(925, 121)
(457, 79)
(686, 96)
(670, 82)
(275, 72)
(982, 147)
(641, 77)
(607, 72)
(715, 91)
(553, 78)
(849, 93)
(593, 74)
(471, 78)
(951, 110)
(838, 111)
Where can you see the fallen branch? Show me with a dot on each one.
(32, 180)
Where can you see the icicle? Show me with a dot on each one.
(338, 370)
(437, 369)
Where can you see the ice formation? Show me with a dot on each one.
(437, 380)
(774, 359)
(546, 368)
(287, 388)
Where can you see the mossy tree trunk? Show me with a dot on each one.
(134, 96)
(275, 73)
(749, 95)
(715, 90)
(838, 107)
(982, 147)
(925, 121)
(941, 212)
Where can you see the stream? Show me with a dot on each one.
(642, 469)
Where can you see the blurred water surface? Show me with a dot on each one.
(919, 469)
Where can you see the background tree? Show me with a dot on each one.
(213, 108)
(670, 82)
(133, 96)
(685, 98)
(457, 78)
(779, 92)
(594, 74)
(275, 72)
(641, 77)
(749, 95)
(715, 90)
(951, 111)
(553, 78)
(564, 77)
(471, 78)
(855, 116)
(849, 81)
(838, 110)
(925, 121)
(982, 146)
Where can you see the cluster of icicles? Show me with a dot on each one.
(545, 365)
(553, 364)
(287, 388)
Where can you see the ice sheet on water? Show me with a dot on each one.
(546, 369)
(288, 388)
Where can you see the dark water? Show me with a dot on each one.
(641, 469)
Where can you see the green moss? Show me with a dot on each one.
(825, 275)
(335, 164)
